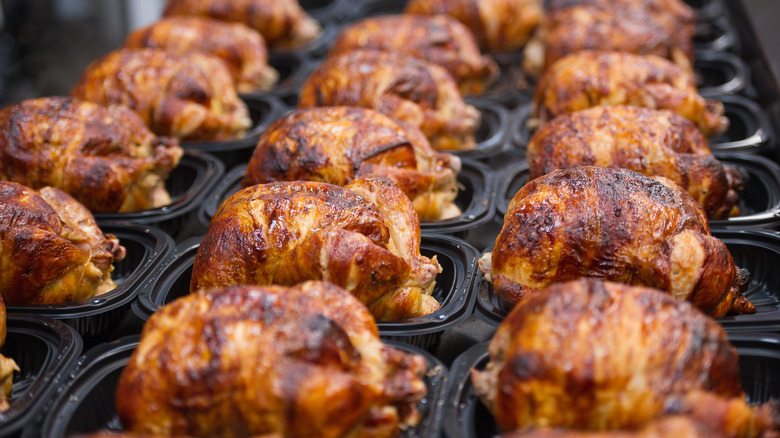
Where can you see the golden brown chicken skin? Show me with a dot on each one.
(364, 237)
(671, 426)
(283, 23)
(299, 361)
(7, 364)
(338, 144)
(189, 96)
(617, 225)
(439, 39)
(597, 356)
(588, 78)
(397, 85)
(241, 48)
(51, 249)
(498, 25)
(651, 142)
(106, 158)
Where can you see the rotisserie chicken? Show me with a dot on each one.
(184, 95)
(364, 237)
(595, 356)
(589, 78)
(303, 361)
(241, 48)
(651, 142)
(7, 365)
(671, 426)
(617, 225)
(440, 39)
(105, 157)
(51, 249)
(338, 144)
(400, 86)
(283, 23)
(498, 25)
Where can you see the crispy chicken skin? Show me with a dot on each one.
(594, 356)
(671, 426)
(440, 39)
(498, 25)
(364, 237)
(617, 225)
(299, 361)
(588, 78)
(105, 157)
(651, 142)
(397, 85)
(51, 249)
(241, 48)
(189, 96)
(7, 365)
(338, 144)
(283, 23)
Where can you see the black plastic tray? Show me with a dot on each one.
(720, 73)
(293, 70)
(45, 351)
(85, 403)
(454, 288)
(328, 10)
(146, 247)
(469, 418)
(715, 33)
(189, 184)
(756, 250)
(759, 202)
(491, 136)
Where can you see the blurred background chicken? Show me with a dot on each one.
(302, 361)
(105, 157)
(651, 142)
(51, 248)
(189, 96)
(401, 87)
(596, 356)
(617, 225)
(338, 144)
(7, 365)
(241, 48)
(364, 237)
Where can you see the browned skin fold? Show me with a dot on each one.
(617, 225)
(651, 142)
(7, 365)
(297, 361)
(397, 85)
(106, 158)
(599, 356)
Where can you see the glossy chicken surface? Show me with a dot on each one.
(7, 365)
(397, 85)
(364, 237)
(283, 23)
(671, 426)
(651, 142)
(241, 48)
(595, 356)
(299, 361)
(338, 144)
(51, 249)
(105, 157)
(498, 25)
(617, 225)
(588, 78)
(189, 96)
(439, 39)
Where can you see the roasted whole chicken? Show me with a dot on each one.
(596, 356)
(364, 237)
(241, 48)
(105, 157)
(617, 225)
(189, 96)
(51, 249)
(498, 25)
(400, 86)
(338, 144)
(588, 78)
(651, 142)
(440, 39)
(283, 23)
(7, 365)
(299, 361)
